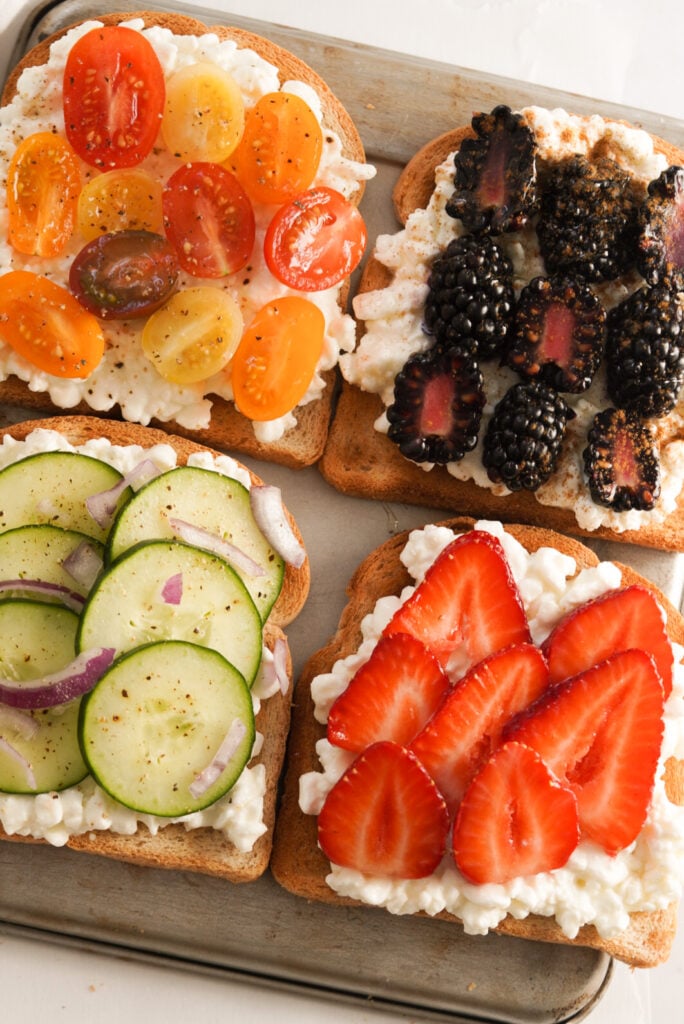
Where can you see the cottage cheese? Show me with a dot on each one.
(393, 320)
(592, 888)
(85, 807)
(125, 376)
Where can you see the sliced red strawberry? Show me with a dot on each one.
(616, 621)
(515, 819)
(468, 596)
(385, 816)
(467, 727)
(391, 697)
(600, 732)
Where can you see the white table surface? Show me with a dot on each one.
(625, 51)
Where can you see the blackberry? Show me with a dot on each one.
(621, 461)
(660, 246)
(645, 350)
(524, 436)
(557, 334)
(438, 401)
(470, 298)
(587, 219)
(495, 174)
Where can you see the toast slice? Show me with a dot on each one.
(359, 458)
(218, 421)
(298, 862)
(203, 849)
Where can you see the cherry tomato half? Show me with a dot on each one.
(43, 182)
(208, 219)
(204, 116)
(124, 274)
(113, 96)
(125, 200)
(315, 241)
(280, 149)
(276, 358)
(45, 324)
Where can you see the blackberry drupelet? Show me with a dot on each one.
(495, 174)
(645, 350)
(621, 462)
(660, 246)
(557, 334)
(470, 298)
(587, 221)
(524, 436)
(438, 401)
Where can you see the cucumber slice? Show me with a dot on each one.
(157, 718)
(37, 639)
(126, 607)
(52, 487)
(209, 500)
(37, 552)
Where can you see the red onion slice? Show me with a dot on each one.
(16, 755)
(83, 564)
(102, 505)
(172, 591)
(20, 722)
(200, 538)
(269, 513)
(60, 687)
(208, 776)
(40, 588)
(280, 664)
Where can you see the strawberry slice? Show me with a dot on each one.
(516, 819)
(616, 621)
(468, 596)
(385, 816)
(390, 697)
(600, 733)
(467, 727)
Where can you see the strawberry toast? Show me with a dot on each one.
(494, 736)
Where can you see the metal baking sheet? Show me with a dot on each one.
(259, 932)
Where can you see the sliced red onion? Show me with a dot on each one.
(40, 588)
(208, 776)
(83, 564)
(172, 591)
(60, 687)
(16, 755)
(268, 510)
(102, 505)
(280, 664)
(200, 538)
(23, 724)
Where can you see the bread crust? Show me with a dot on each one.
(359, 460)
(203, 850)
(297, 862)
(302, 445)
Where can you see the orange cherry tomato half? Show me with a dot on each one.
(315, 241)
(280, 149)
(125, 200)
(43, 182)
(276, 358)
(113, 97)
(208, 219)
(44, 323)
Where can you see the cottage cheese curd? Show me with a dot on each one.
(125, 376)
(393, 320)
(85, 807)
(592, 888)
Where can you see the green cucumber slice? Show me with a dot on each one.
(126, 607)
(211, 501)
(38, 552)
(52, 487)
(37, 639)
(155, 721)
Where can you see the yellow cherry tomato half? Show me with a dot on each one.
(194, 335)
(204, 114)
(276, 358)
(43, 183)
(45, 324)
(280, 149)
(129, 199)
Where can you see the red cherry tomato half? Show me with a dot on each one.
(124, 274)
(208, 219)
(44, 323)
(315, 241)
(113, 97)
